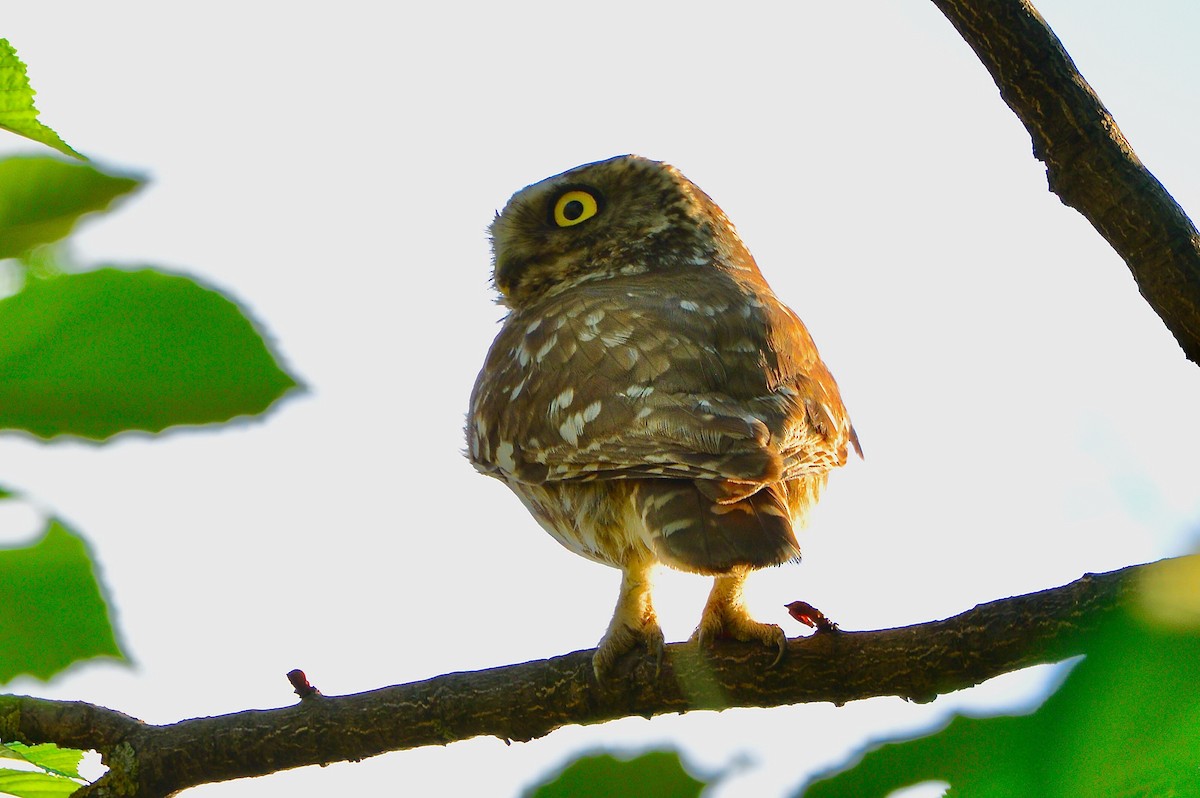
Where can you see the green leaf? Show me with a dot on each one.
(17, 113)
(101, 352)
(35, 784)
(1125, 722)
(41, 199)
(656, 774)
(52, 608)
(47, 756)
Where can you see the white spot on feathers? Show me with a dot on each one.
(572, 427)
(616, 337)
(742, 345)
(626, 356)
(676, 526)
(504, 457)
(562, 401)
(551, 342)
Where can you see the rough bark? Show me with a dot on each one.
(1089, 164)
(526, 701)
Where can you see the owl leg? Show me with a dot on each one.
(725, 615)
(634, 622)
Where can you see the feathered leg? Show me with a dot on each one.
(725, 615)
(634, 621)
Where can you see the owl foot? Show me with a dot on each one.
(620, 640)
(726, 616)
(633, 623)
(741, 627)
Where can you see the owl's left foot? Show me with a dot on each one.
(726, 616)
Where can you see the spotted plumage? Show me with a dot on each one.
(648, 397)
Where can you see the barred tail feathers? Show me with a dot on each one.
(692, 532)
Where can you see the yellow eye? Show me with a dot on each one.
(575, 206)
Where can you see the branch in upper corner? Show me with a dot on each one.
(1089, 163)
(529, 700)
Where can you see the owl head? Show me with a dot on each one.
(623, 216)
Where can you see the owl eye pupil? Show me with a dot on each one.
(574, 206)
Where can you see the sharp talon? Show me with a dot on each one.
(654, 647)
(782, 644)
(622, 640)
(633, 625)
(598, 669)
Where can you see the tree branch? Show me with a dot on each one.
(1092, 168)
(526, 701)
(1089, 164)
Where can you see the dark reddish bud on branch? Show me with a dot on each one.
(810, 616)
(300, 683)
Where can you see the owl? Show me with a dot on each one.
(648, 398)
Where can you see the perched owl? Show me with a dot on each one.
(648, 398)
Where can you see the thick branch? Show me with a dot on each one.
(1089, 164)
(526, 701)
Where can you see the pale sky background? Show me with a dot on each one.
(1026, 417)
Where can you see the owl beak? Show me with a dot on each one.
(503, 276)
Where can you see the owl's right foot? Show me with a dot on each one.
(633, 623)
(620, 639)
